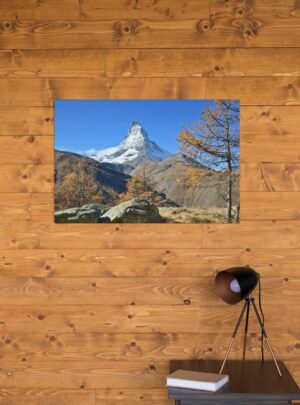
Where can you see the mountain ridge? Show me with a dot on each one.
(131, 152)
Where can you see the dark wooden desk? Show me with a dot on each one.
(250, 382)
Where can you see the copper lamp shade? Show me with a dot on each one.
(236, 283)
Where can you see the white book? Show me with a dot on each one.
(197, 380)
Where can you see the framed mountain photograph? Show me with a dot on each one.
(147, 161)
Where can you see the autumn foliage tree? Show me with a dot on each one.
(139, 187)
(77, 188)
(213, 142)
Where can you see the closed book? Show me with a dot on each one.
(197, 380)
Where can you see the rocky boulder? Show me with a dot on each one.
(88, 213)
(101, 208)
(64, 215)
(136, 210)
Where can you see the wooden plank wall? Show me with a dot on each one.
(92, 314)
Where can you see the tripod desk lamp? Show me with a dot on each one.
(234, 285)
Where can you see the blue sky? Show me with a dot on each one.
(85, 124)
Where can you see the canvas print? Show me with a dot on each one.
(147, 161)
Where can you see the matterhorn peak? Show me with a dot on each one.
(136, 133)
(135, 149)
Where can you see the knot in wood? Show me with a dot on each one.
(204, 25)
(8, 26)
(241, 10)
(248, 28)
(126, 28)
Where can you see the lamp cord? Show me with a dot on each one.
(263, 320)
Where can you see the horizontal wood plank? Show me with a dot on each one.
(26, 121)
(220, 62)
(26, 149)
(26, 235)
(168, 9)
(270, 177)
(224, 62)
(87, 262)
(139, 319)
(14, 207)
(254, 234)
(15, 178)
(39, 235)
(97, 347)
(121, 375)
(28, 64)
(270, 120)
(43, 92)
(22, 93)
(129, 396)
(131, 291)
(83, 375)
(158, 10)
(272, 90)
(282, 205)
(270, 148)
(273, 234)
(235, 8)
(213, 32)
(32, 396)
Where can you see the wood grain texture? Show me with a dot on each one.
(26, 178)
(220, 62)
(51, 63)
(92, 315)
(162, 263)
(32, 9)
(153, 10)
(31, 396)
(26, 121)
(270, 177)
(26, 149)
(45, 235)
(129, 396)
(97, 347)
(130, 291)
(139, 319)
(43, 92)
(202, 62)
(15, 207)
(142, 33)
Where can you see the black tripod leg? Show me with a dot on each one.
(265, 335)
(233, 336)
(246, 328)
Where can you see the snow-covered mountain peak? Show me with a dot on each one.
(135, 148)
(136, 133)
